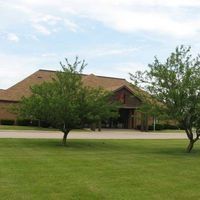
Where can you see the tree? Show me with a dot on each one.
(175, 90)
(97, 106)
(65, 102)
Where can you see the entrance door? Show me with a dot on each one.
(124, 117)
(125, 120)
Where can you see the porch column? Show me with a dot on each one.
(130, 119)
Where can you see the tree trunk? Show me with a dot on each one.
(190, 146)
(65, 137)
(93, 126)
(99, 126)
(146, 123)
(193, 137)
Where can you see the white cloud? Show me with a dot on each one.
(12, 37)
(32, 37)
(172, 17)
(113, 2)
(71, 25)
(130, 67)
(117, 69)
(45, 18)
(49, 55)
(98, 51)
(176, 18)
(170, 3)
(14, 68)
(123, 69)
(113, 50)
(154, 22)
(41, 29)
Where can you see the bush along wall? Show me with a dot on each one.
(157, 127)
(23, 122)
(7, 122)
(163, 127)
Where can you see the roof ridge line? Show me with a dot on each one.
(86, 74)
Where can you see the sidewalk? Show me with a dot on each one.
(104, 134)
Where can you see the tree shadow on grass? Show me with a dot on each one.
(159, 147)
(155, 147)
(174, 148)
(57, 143)
(177, 151)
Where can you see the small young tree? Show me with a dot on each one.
(65, 102)
(175, 89)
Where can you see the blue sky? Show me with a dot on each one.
(113, 36)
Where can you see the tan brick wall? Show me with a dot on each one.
(5, 112)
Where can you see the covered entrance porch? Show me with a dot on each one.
(126, 120)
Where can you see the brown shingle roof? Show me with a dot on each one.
(1, 91)
(16, 92)
(22, 88)
(102, 81)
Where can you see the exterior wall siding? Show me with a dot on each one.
(127, 98)
(5, 110)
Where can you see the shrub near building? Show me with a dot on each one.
(7, 122)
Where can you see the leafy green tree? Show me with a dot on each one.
(99, 106)
(175, 89)
(66, 103)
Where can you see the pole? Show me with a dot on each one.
(154, 123)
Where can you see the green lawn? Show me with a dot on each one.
(33, 169)
(7, 127)
(33, 128)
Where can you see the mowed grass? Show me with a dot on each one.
(16, 128)
(98, 169)
(34, 128)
